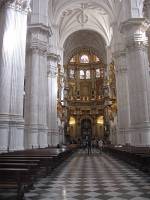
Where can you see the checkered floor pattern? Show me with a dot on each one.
(94, 177)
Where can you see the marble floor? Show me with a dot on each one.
(94, 177)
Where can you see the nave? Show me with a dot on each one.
(94, 177)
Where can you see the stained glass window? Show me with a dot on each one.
(81, 74)
(88, 74)
(97, 73)
(84, 59)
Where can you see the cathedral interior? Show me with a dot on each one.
(74, 99)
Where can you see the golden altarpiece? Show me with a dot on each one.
(85, 78)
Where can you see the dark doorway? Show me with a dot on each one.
(86, 128)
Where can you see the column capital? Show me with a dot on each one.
(52, 71)
(38, 35)
(135, 32)
(18, 5)
(40, 28)
(53, 56)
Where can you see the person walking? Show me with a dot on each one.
(89, 146)
(100, 145)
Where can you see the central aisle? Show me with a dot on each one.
(94, 177)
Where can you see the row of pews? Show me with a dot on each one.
(139, 157)
(19, 170)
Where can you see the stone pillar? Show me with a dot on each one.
(122, 97)
(138, 80)
(36, 86)
(147, 15)
(13, 25)
(53, 135)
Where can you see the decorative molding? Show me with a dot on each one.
(40, 28)
(38, 36)
(52, 71)
(135, 32)
(135, 24)
(18, 5)
(37, 46)
(53, 56)
(82, 18)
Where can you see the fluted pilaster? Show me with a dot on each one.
(147, 15)
(53, 134)
(122, 97)
(36, 86)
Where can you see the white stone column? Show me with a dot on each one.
(13, 25)
(53, 134)
(147, 15)
(138, 80)
(36, 87)
(122, 97)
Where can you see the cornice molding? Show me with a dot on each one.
(135, 24)
(39, 27)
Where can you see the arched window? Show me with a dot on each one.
(88, 74)
(81, 74)
(84, 59)
(97, 73)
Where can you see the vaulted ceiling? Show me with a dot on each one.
(73, 15)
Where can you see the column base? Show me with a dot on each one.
(135, 136)
(31, 137)
(11, 133)
(43, 138)
(123, 136)
(140, 136)
(35, 137)
(4, 137)
(55, 138)
(49, 138)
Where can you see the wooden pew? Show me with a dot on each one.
(136, 156)
(25, 162)
(14, 178)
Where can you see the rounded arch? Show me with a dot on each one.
(87, 27)
(65, 14)
(85, 39)
(87, 117)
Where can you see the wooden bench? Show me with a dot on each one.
(19, 169)
(136, 156)
(14, 178)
